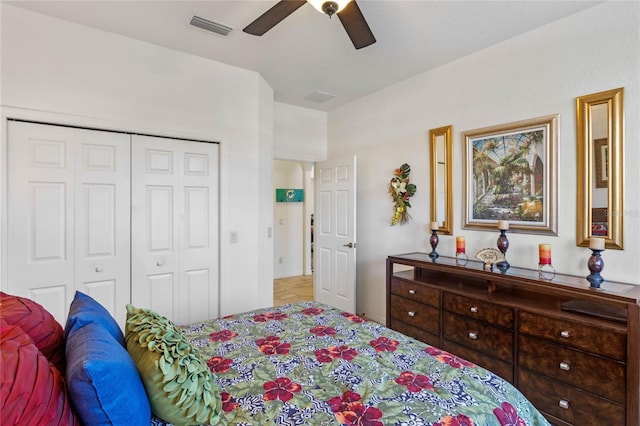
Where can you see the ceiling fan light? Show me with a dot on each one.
(329, 6)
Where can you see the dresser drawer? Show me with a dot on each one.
(595, 374)
(416, 314)
(568, 403)
(415, 332)
(478, 309)
(478, 336)
(602, 341)
(417, 292)
(496, 366)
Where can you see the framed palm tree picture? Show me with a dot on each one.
(511, 175)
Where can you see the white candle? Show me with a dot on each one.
(503, 225)
(596, 243)
(435, 226)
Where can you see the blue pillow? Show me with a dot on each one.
(102, 379)
(84, 310)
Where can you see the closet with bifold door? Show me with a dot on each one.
(124, 218)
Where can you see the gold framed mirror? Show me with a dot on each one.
(441, 178)
(600, 143)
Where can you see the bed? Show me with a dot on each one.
(308, 363)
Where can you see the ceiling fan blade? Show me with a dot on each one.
(273, 16)
(356, 26)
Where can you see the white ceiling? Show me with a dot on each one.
(308, 52)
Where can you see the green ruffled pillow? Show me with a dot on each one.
(181, 388)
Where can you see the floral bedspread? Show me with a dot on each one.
(310, 364)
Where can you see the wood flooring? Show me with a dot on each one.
(292, 289)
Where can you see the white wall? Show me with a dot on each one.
(299, 133)
(536, 74)
(53, 70)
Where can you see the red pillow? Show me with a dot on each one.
(47, 334)
(31, 390)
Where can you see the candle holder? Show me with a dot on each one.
(596, 265)
(434, 240)
(546, 271)
(461, 257)
(503, 246)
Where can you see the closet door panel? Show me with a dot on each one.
(200, 231)
(102, 225)
(68, 220)
(174, 227)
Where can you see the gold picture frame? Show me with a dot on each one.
(511, 174)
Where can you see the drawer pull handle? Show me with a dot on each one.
(99, 269)
(474, 309)
(412, 292)
(411, 314)
(564, 404)
(473, 335)
(565, 334)
(565, 366)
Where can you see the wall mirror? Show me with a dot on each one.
(441, 178)
(600, 138)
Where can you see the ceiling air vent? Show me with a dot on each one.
(319, 96)
(214, 27)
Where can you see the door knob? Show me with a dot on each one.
(350, 245)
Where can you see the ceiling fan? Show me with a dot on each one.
(347, 10)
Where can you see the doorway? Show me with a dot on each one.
(293, 231)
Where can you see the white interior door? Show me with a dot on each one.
(335, 234)
(68, 216)
(174, 217)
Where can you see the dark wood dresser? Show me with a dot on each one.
(571, 349)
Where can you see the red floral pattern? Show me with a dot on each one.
(282, 388)
(508, 416)
(222, 336)
(228, 403)
(272, 345)
(350, 411)
(277, 316)
(335, 352)
(322, 330)
(447, 358)
(414, 382)
(352, 317)
(217, 364)
(459, 420)
(382, 344)
(312, 311)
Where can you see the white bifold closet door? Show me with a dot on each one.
(174, 224)
(68, 216)
(123, 218)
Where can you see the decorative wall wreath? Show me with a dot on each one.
(401, 191)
